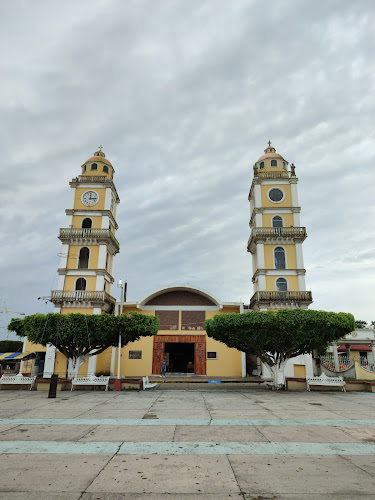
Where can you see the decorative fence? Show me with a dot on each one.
(346, 361)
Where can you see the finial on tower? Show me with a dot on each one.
(269, 143)
(99, 152)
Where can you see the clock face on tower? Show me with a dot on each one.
(90, 198)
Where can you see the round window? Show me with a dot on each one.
(276, 195)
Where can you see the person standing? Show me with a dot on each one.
(163, 368)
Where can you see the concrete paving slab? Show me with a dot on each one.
(45, 413)
(49, 473)
(320, 475)
(180, 414)
(364, 463)
(218, 433)
(27, 495)
(108, 413)
(302, 414)
(351, 414)
(241, 414)
(307, 434)
(45, 433)
(169, 474)
(362, 434)
(5, 427)
(130, 433)
(159, 496)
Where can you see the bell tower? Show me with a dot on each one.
(276, 237)
(88, 241)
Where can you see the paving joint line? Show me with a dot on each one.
(101, 470)
(240, 492)
(347, 458)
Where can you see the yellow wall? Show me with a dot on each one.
(287, 202)
(291, 259)
(78, 205)
(228, 362)
(96, 221)
(267, 219)
(292, 282)
(103, 362)
(363, 374)
(90, 282)
(76, 310)
(74, 253)
(137, 367)
(98, 172)
(300, 371)
(61, 364)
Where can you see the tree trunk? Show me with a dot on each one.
(74, 364)
(277, 371)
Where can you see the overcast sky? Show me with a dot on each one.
(183, 96)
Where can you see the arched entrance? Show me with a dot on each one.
(185, 353)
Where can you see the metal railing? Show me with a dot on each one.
(273, 296)
(81, 296)
(82, 232)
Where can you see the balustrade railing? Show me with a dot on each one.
(93, 178)
(275, 232)
(82, 232)
(345, 361)
(273, 175)
(273, 296)
(81, 296)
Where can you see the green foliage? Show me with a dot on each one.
(84, 334)
(360, 324)
(11, 345)
(275, 336)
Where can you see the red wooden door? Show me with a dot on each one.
(200, 358)
(158, 357)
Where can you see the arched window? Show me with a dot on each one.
(279, 253)
(107, 261)
(281, 285)
(83, 168)
(81, 284)
(261, 165)
(94, 166)
(284, 165)
(87, 223)
(273, 163)
(105, 169)
(83, 260)
(277, 221)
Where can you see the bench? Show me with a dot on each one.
(92, 380)
(18, 379)
(147, 384)
(324, 380)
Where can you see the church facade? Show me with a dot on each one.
(85, 278)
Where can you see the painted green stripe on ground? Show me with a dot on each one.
(184, 448)
(187, 422)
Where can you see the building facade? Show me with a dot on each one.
(85, 280)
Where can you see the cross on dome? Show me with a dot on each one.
(99, 152)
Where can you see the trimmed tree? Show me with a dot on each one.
(277, 336)
(11, 345)
(79, 336)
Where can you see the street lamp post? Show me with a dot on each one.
(122, 300)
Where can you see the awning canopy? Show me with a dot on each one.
(10, 356)
(356, 347)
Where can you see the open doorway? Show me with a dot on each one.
(178, 356)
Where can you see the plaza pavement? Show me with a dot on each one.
(217, 444)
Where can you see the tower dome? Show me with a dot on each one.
(271, 159)
(98, 165)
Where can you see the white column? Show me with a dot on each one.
(373, 353)
(293, 187)
(64, 256)
(260, 255)
(257, 196)
(57, 309)
(258, 220)
(113, 359)
(105, 222)
(243, 362)
(91, 368)
(336, 357)
(296, 219)
(60, 282)
(262, 283)
(49, 363)
(102, 256)
(299, 256)
(23, 350)
(108, 196)
(72, 197)
(97, 310)
(301, 282)
(99, 283)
